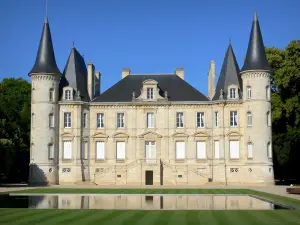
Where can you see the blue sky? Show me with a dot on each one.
(147, 36)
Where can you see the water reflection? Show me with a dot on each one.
(139, 202)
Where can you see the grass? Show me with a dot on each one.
(136, 217)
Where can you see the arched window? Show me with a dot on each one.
(232, 93)
(250, 150)
(51, 95)
(249, 119)
(68, 95)
(51, 120)
(269, 149)
(249, 94)
(33, 120)
(269, 119)
(268, 92)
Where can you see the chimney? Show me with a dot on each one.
(97, 83)
(180, 72)
(91, 77)
(125, 72)
(212, 79)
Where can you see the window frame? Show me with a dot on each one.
(248, 155)
(68, 95)
(232, 93)
(179, 120)
(85, 119)
(200, 117)
(150, 93)
(152, 119)
(67, 120)
(216, 119)
(51, 95)
(120, 120)
(249, 115)
(235, 119)
(100, 120)
(51, 120)
(249, 92)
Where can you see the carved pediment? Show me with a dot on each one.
(67, 136)
(180, 135)
(233, 134)
(150, 135)
(150, 82)
(201, 134)
(120, 135)
(99, 135)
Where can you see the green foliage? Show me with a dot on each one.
(285, 86)
(15, 97)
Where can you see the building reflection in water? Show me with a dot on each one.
(148, 202)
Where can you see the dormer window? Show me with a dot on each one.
(232, 92)
(150, 93)
(67, 95)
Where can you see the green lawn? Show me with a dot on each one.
(134, 217)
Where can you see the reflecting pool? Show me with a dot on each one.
(138, 202)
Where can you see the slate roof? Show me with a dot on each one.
(45, 60)
(178, 89)
(229, 74)
(75, 75)
(256, 58)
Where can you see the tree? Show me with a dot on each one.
(15, 95)
(285, 86)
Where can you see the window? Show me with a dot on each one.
(67, 95)
(51, 120)
(248, 92)
(150, 151)
(217, 149)
(249, 119)
(100, 120)
(85, 120)
(268, 92)
(67, 120)
(269, 149)
(233, 118)
(51, 151)
(150, 120)
(51, 95)
(200, 119)
(33, 120)
(250, 150)
(201, 150)
(67, 151)
(179, 120)
(149, 93)
(120, 120)
(120, 150)
(232, 93)
(234, 151)
(84, 152)
(100, 151)
(269, 119)
(180, 150)
(216, 119)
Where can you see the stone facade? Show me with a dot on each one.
(167, 170)
(223, 139)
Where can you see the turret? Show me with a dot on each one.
(45, 76)
(257, 108)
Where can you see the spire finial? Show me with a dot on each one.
(46, 19)
(229, 41)
(73, 44)
(255, 16)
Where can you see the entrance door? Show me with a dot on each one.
(149, 177)
(150, 151)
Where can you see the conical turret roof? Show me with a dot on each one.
(45, 60)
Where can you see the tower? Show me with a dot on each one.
(45, 77)
(257, 108)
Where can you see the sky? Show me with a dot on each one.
(146, 36)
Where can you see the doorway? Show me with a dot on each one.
(149, 177)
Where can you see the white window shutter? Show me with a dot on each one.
(234, 149)
(120, 150)
(67, 154)
(250, 150)
(201, 149)
(100, 154)
(217, 149)
(180, 150)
